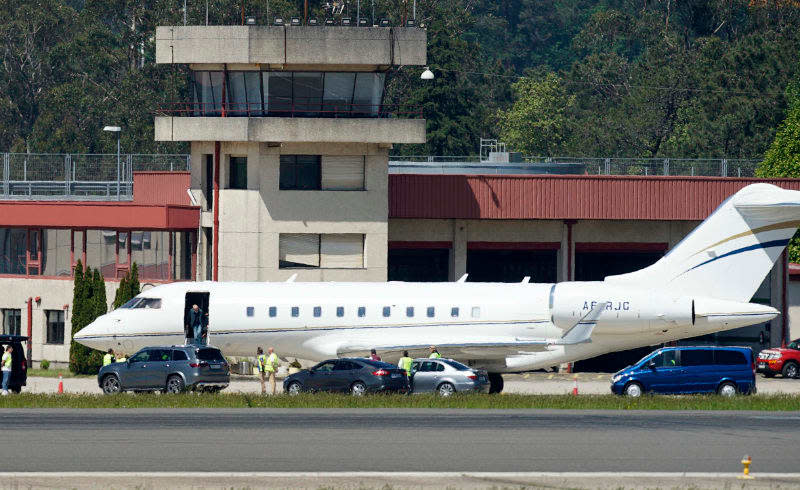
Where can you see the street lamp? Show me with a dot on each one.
(118, 130)
(427, 74)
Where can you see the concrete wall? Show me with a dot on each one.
(54, 294)
(270, 45)
(287, 129)
(252, 220)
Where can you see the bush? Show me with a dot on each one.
(45, 364)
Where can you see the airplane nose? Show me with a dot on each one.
(94, 335)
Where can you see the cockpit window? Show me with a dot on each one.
(131, 303)
(149, 303)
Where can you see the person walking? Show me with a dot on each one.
(108, 358)
(271, 367)
(6, 368)
(262, 369)
(405, 363)
(434, 353)
(374, 355)
(197, 322)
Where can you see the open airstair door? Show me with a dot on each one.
(201, 299)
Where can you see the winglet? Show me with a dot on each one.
(463, 278)
(582, 331)
(526, 279)
(292, 277)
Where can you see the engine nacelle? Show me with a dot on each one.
(629, 309)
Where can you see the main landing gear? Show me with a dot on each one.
(495, 383)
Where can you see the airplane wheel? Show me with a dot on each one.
(495, 383)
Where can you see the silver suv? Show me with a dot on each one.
(446, 376)
(169, 369)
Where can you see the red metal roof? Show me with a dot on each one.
(562, 196)
(160, 202)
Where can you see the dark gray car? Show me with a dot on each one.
(169, 369)
(446, 376)
(355, 375)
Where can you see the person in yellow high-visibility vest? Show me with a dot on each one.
(108, 358)
(6, 363)
(271, 367)
(434, 353)
(405, 363)
(262, 369)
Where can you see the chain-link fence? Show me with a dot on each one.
(712, 167)
(79, 176)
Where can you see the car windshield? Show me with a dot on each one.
(645, 358)
(210, 355)
(795, 344)
(456, 364)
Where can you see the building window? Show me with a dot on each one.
(454, 312)
(12, 321)
(410, 311)
(251, 311)
(387, 311)
(13, 248)
(300, 172)
(55, 326)
(295, 311)
(431, 311)
(328, 251)
(362, 311)
(476, 312)
(340, 311)
(238, 173)
(343, 173)
(273, 312)
(317, 311)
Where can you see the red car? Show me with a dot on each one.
(780, 360)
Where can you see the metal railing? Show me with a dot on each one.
(288, 107)
(79, 176)
(710, 167)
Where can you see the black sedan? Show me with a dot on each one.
(354, 375)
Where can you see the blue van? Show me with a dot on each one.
(673, 370)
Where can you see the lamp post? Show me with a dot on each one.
(118, 130)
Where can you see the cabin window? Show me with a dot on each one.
(387, 311)
(476, 312)
(273, 311)
(410, 311)
(251, 311)
(454, 312)
(362, 311)
(431, 311)
(317, 311)
(295, 311)
(340, 311)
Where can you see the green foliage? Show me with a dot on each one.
(88, 302)
(537, 122)
(782, 159)
(45, 364)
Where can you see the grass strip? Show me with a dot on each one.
(473, 401)
(53, 373)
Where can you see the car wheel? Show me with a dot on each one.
(175, 384)
(111, 385)
(294, 388)
(790, 370)
(727, 389)
(446, 389)
(358, 388)
(633, 390)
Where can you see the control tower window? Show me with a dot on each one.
(238, 173)
(300, 172)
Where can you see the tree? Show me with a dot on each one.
(783, 157)
(537, 122)
(128, 287)
(88, 302)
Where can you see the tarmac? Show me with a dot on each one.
(531, 383)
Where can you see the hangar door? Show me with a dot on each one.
(419, 262)
(595, 261)
(510, 262)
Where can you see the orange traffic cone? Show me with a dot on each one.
(575, 388)
(60, 384)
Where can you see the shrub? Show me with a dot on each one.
(45, 364)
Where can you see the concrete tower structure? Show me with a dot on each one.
(289, 141)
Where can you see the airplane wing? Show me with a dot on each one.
(485, 348)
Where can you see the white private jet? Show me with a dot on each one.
(703, 285)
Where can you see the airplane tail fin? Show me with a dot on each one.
(730, 253)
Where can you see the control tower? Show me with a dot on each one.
(290, 138)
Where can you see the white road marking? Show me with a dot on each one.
(385, 474)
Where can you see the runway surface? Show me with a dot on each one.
(397, 440)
